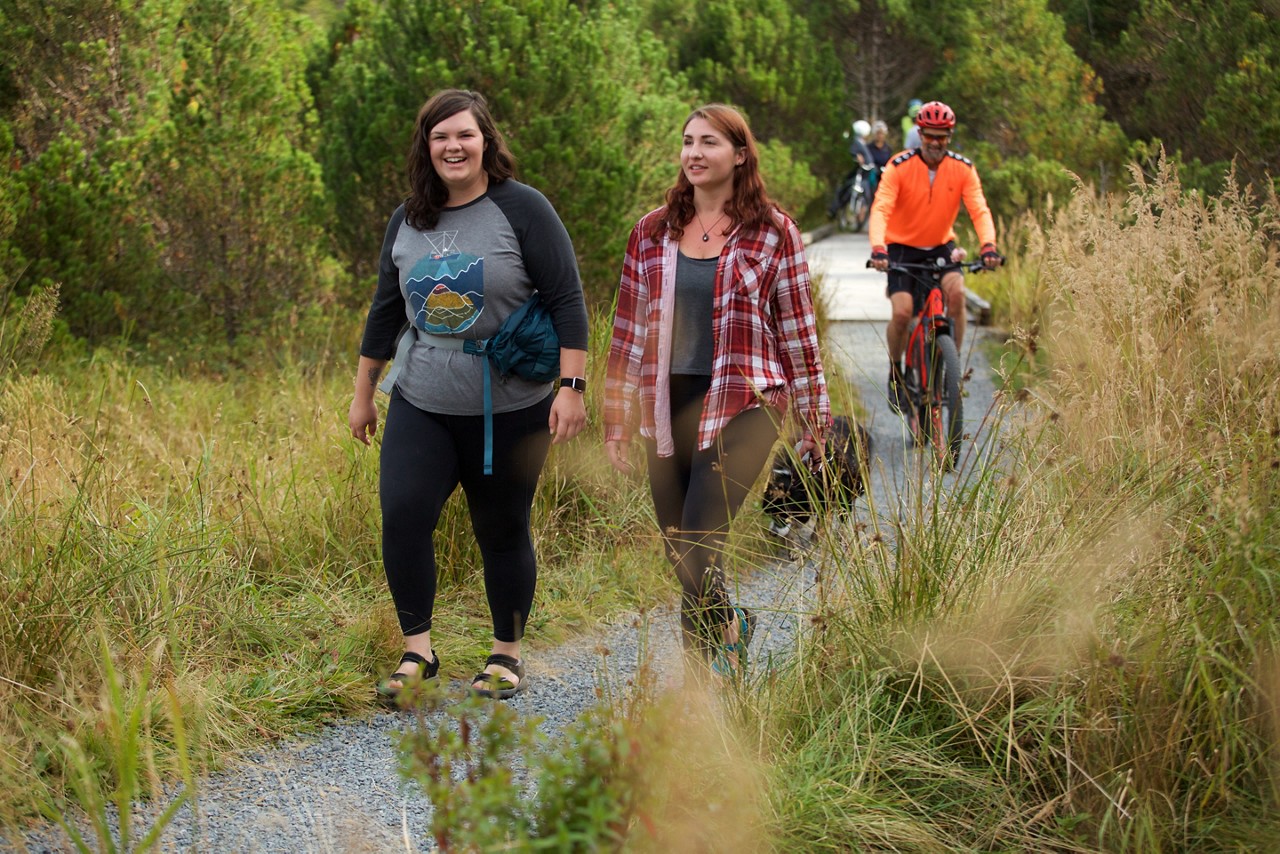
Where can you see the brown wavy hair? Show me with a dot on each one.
(427, 193)
(750, 205)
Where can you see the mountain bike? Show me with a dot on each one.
(935, 410)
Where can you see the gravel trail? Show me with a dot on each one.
(340, 790)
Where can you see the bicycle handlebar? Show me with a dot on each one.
(940, 267)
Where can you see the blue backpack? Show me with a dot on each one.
(525, 344)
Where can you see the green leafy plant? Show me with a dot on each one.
(465, 752)
(604, 783)
(106, 796)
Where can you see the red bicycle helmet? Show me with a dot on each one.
(936, 115)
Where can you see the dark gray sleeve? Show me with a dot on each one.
(386, 315)
(548, 257)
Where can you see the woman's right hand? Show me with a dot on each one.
(362, 418)
(619, 452)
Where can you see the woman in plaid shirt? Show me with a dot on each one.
(714, 334)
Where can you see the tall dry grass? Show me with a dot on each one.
(1168, 332)
(217, 534)
(1168, 393)
(1073, 645)
(221, 532)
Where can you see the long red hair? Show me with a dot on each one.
(750, 205)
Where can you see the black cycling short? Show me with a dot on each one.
(901, 283)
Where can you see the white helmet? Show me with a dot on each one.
(861, 129)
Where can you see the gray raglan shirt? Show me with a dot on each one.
(463, 278)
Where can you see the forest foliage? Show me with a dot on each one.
(196, 170)
(1202, 78)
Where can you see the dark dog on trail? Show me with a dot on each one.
(795, 492)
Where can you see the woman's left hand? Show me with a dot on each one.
(815, 448)
(568, 415)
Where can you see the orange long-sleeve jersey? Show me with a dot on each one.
(909, 209)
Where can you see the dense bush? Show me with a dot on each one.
(161, 156)
(233, 180)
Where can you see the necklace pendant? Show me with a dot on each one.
(705, 238)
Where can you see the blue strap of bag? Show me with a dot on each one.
(476, 347)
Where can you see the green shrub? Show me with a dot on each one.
(603, 783)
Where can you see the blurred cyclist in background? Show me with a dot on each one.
(862, 158)
(881, 151)
(909, 122)
(858, 148)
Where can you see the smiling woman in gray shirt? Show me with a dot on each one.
(468, 248)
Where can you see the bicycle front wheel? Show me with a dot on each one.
(844, 218)
(946, 415)
(861, 211)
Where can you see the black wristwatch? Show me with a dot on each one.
(578, 384)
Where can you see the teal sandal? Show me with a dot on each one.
(500, 687)
(389, 692)
(746, 628)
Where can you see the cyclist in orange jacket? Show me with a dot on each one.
(913, 221)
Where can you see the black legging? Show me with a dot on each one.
(424, 457)
(696, 495)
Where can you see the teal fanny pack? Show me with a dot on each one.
(525, 344)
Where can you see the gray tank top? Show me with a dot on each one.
(693, 345)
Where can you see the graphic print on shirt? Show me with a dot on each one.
(446, 287)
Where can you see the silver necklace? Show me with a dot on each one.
(706, 232)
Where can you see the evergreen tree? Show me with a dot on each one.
(1019, 85)
(78, 84)
(770, 59)
(238, 192)
(1201, 78)
(886, 53)
(161, 146)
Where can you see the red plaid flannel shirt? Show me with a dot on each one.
(766, 340)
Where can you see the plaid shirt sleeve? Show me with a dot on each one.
(796, 326)
(626, 345)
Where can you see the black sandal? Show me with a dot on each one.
(389, 692)
(502, 688)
